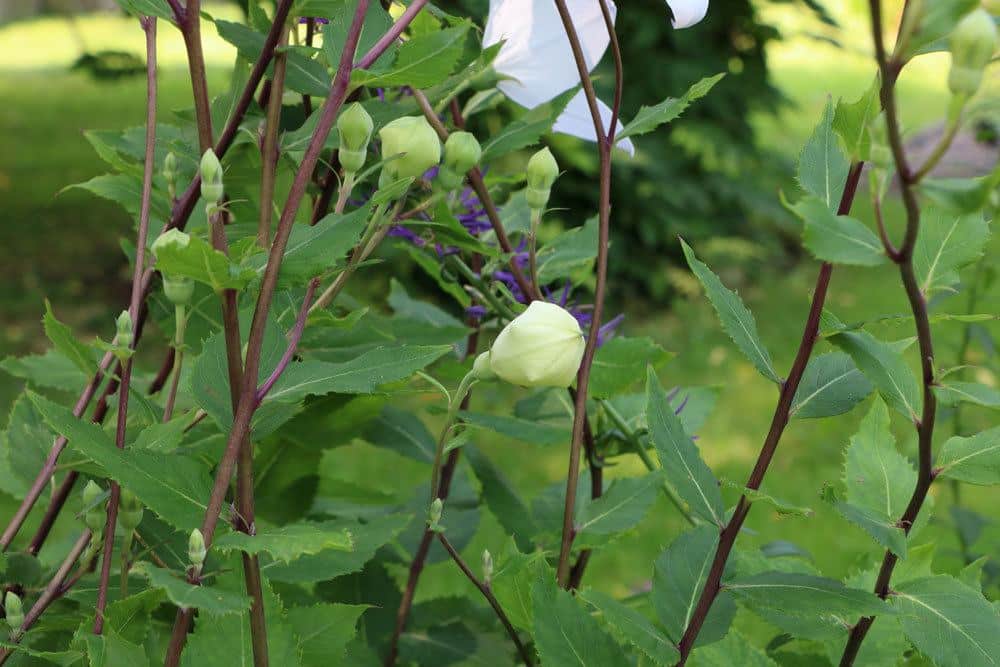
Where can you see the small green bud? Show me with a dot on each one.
(196, 549)
(91, 494)
(170, 167)
(481, 367)
(123, 324)
(14, 610)
(355, 127)
(972, 44)
(131, 511)
(487, 567)
(178, 289)
(434, 514)
(881, 154)
(212, 188)
(172, 238)
(414, 139)
(461, 153)
(541, 173)
(93, 515)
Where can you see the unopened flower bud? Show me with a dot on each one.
(172, 238)
(170, 167)
(481, 367)
(487, 567)
(541, 173)
(972, 44)
(414, 143)
(13, 609)
(178, 289)
(355, 128)
(130, 515)
(434, 514)
(196, 549)
(211, 177)
(93, 515)
(123, 324)
(541, 347)
(461, 153)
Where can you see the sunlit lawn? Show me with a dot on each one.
(60, 246)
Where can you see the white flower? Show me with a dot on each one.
(541, 347)
(537, 58)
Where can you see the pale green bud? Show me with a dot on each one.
(196, 549)
(972, 44)
(461, 153)
(13, 609)
(123, 324)
(541, 347)
(93, 515)
(434, 514)
(487, 567)
(415, 139)
(481, 367)
(178, 289)
(212, 188)
(541, 173)
(170, 167)
(355, 128)
(130, 515)
(172, 238)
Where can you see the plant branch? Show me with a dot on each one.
(269, 146)
(294, 336)
(488, 594)
(190, 28)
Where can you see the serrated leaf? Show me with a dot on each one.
(831, 385)
(173, 487)
(620, 508)
(953, 393)
(50, 369)
(736, 318)
(302, 74)
(513, 579)
(208, 599)
(884, 530)
(25, 446)
(732, 650)
(148, 8)
(939, 19)
(619, 364)
(323, 631)
(975, 460)
(527, 129)
(782, 507)
(402, 432)
(288, 542)
(568, 253)
(501, 498)
(315, 249)
(883, 364)
(679, 576)
(822, 165)
(62, 338)
(199, 261)
(631, 628)
(949, 622)
(946, 243)
(567, 635)
(423, 61)
(679, 457)
(525, 430)
(650, 118)
(361, 375)
(807, 595)
(852, 119)
(839, 239)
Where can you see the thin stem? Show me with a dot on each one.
(488, 594)
(536, 218)
(344, 192)
(951, 129)
(149, 27)
(310, 32)
(391, 35)
(453, 407)
(269, 147)
(294, 336)
(191, 32)
(883, 234)
(180, 324)
(779, 421)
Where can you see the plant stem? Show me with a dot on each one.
(269, 147)
(374, 233)
(190, 28)
(779, 421)
(149, 27)
(918, 305)
(294, 336)
(536, 218)
(951, 129)
(180, 320)
(488, 594)
(310, 32)
(453, 407)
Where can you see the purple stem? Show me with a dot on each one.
(294, 336)
(391, 35)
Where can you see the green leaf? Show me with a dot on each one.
(341, 15)
(288, 542)
(163, 437)
(732, 650)
(208, 599)
(883, 364)
(66, 343)
(302, 74)
(501, 498)
(315, 249)
(173, 487)
(25, 446)
(822, 164)
(679, 456)
(525, 430)
(620, 508)
(513, 578)
(807, 595)
(949, 622)
(679, 576)
(568, 253)
(946, 243)
(736, 318)
(567, 635)
(960, 195)
(939, 19)
(631, 628)
(423, 61)
(975, 460)
(852, 119)
(954, 393)
(782, 507)
(620, 362)
(110, 649)
(402, 432)
(50, 369)
(831, 385)
(884, 530)
(362, 375)
(403, 304)
(839, 239)
(650, 118)
(527, 129)
(147, 8)
(199, 261)
(323, 631)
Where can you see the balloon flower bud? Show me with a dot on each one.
(461, 153)
(541, 347)
(172, 238)
(123, 324)
(414, 144)
(434, 514)
(355, 128)
(170, 167)
(211, 177)
(972, 44)
(178, 289)
(93, 511)
(541, 173)
(13, 609)
(196, 549)
(487, 567)
(130, 514)
(481, 368)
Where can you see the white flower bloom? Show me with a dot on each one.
(541, 347)
(687, 12)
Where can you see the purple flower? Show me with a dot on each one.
(478, 312)
(402, 232)
(315, 19)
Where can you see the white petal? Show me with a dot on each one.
(576, 121)
(687, 12)
(536, 52)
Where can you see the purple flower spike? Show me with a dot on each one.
(681, 407)
(315, 19)
(444, 251)
(607, 330)
(399, 231)
(478, 312)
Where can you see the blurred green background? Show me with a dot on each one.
(715, 177)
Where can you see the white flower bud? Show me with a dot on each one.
(212, 188)
(541, 173)
(355, 128)
(196, 549)
(461, 153)
(972, 45)
(481, 367)
(434, 514)
(178, 289)
(487, 567)
(541, 347)
(13, 609)
(416, 140)
(170, 238)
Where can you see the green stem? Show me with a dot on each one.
(126, 562)
(453, 408)
(536, 218)
(477, 282)
(951, 129)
